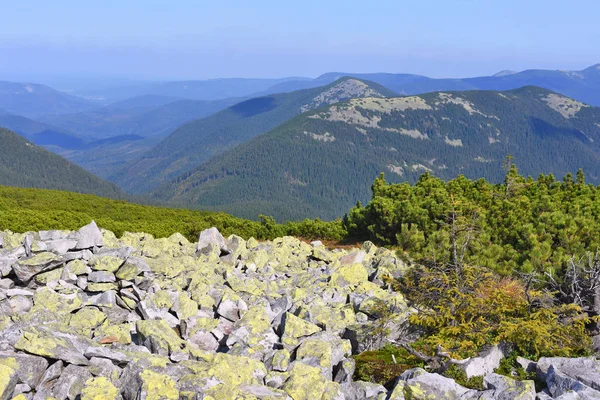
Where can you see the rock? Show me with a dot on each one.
(363, 391)
(487, 361)
(419, 384)
(101, 277)
(8, 377)
(26, 268)
(295, 328)
(71, 383)
(504, 388)
(231, 307)
(304, 382)
(210, 237)
(99, 388)
(352, 274)
(51, 374)
(88, 237)
(353, 258)
(29, 369)
(560, 384)
(105, 352)
(43, 343)
(585, 369)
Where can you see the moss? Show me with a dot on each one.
(99, 388)
(379, 366)
(158, 386)
(460, 377)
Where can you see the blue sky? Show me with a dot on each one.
(195, 39)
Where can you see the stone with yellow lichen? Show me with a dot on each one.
(160, 338)
(305, 382)
(8, 377)
(156, 386)
(86, 319)
(99, 388)
(121, 332)
(352, 274)
(101, 287)
(295, 328)
(77, 267)
(106, 263)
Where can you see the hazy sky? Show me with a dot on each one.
(196, 39)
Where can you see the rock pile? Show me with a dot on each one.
(84, 315)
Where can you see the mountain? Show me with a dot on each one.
(26, 165)
(211, 89)
(197, 141)
(321, 162)
(40, 133)
(581, 85)
(136, 116)
(33, 100)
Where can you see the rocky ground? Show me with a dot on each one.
(84, 315)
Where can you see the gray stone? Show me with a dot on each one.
(354, 257)
(48, 378)
(105, 352)
(487, 361)
(104, 367)
(27, 268)
(60, 246)
(88, 237)
(101, 277)
(210, 237)
(419, 382)
(504, 388)
(71, 382)
(363, 391)
(560, 384)
(585, 369)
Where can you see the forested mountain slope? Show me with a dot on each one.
(195, 142)
(26, 165)
(322, 162)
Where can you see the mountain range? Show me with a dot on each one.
(195, 142)
(33, 100)
(321, 162)
(252, 146)
(26, 165)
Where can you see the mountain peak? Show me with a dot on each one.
(343, 89)
(505, 72)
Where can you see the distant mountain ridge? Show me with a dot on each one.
(197, 141)
(581, 85)
(321, 162)
(24, 164)
(32, 100)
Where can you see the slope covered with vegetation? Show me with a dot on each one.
(197, 141)
(23, 210)
(24, 164)
(322, 162)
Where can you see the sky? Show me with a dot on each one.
(197, 39)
